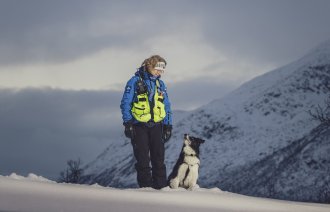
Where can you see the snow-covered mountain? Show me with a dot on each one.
(260, 139)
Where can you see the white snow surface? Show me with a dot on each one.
(35, 193)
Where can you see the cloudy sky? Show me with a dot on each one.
(64, 63)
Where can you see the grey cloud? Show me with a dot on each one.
(40, 129)
(260, 31)
(58, 31)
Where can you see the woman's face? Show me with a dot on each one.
(155, 72)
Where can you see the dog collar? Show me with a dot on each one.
(190, 155)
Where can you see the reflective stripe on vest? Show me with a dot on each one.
(141, 109)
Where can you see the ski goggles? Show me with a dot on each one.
(160, 66)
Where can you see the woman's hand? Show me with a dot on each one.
(167, 133)
(129, 130)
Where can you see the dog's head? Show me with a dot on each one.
(193, 142)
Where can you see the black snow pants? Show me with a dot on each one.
(148, 146)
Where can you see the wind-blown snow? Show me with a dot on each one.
(37, 194)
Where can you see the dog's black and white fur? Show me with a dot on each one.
(185, 171)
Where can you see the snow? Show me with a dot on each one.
(35, 193)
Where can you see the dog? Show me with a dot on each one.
(185, 171)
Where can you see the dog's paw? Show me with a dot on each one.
(174, 183)
(193, 187)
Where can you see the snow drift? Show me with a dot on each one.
(38, 194)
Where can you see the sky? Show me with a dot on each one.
(64, 64)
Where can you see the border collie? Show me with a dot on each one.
(185, 171)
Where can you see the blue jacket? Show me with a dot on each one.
(130, 96)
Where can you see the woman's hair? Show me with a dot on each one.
(150, 62)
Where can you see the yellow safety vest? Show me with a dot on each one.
(141, 109)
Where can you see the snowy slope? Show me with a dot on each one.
(38, 194)
(256, 124)
(299, 171)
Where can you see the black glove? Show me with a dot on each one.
(167, 133)
(129, 130)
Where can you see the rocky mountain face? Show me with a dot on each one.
(299, 171)
(260, 139)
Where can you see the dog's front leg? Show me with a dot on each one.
(175, 182)
(193, 176)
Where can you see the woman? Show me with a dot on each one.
(146, 113)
